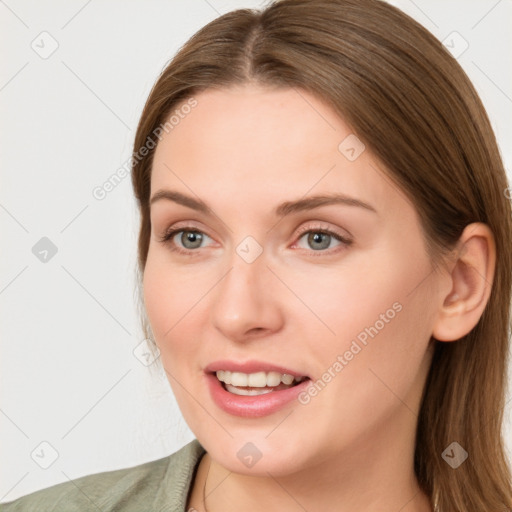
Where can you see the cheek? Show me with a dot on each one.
(176, 304)
(372, 369)
(166, 300)
(157, 300)
(167, 310)
(353, 301)
(377, 315)
(382, 322)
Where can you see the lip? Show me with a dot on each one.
(251, 406)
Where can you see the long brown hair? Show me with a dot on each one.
(409, 101)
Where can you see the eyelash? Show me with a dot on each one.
(168, 235)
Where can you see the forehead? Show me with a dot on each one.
(253, 141)
(252, 122)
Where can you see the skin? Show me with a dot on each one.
(243, 151)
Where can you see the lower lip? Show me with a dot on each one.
(252, 406)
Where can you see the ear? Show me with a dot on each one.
(471, 279)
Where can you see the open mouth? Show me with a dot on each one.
(259, 383)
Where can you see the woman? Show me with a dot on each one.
(325, 268)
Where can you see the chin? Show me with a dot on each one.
(256, 455)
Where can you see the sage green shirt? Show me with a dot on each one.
(162, 485)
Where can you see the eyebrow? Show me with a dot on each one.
(307, 203)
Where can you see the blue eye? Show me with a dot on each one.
(318, 239)
(188, 236)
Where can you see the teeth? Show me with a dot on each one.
(273, 379)
(286, 378)
(247, 392)
(239, 379)
(255, 380)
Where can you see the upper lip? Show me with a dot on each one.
(250, 367)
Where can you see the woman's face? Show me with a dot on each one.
(268, 281)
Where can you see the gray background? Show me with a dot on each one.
(69, 377)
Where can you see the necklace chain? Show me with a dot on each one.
(204, 485)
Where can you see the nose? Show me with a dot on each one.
(247, 304)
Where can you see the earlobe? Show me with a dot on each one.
(471, 279)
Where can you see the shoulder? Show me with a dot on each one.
(161, 485)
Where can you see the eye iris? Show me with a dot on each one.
(193, 237)
(316, 237)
